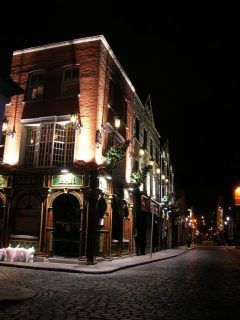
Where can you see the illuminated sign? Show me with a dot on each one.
(66, 180)
(164, 199)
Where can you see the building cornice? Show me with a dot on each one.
(78, 41)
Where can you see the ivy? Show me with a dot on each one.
(138, 177)
(115, 154)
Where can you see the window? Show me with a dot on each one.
(137, 129)
(157, 156)
(27, 216)
(51, 144)
(145, 145)
(71, 84)
(151, 147)
(30, 147)
(35, 86)
(117, 102)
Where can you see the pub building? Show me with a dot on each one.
(56, 191)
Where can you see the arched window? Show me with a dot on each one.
(27, 216)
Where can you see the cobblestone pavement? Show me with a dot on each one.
(201, 284)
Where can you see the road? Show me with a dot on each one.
(200, 284)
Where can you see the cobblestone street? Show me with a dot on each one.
(201, 284)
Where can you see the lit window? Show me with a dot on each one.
(36, 86)
(51, 144)
(70, 84)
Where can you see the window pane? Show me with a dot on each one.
(75, 73)
(70, 84)
(49, 145)
(36, 86)
(30, 148)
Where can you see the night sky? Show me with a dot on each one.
(185, 57)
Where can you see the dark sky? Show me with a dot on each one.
(185, 56)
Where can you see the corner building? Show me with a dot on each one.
(56, 191)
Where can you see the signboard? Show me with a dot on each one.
(154, 208)
(66, 180)
(28, 180)
(3, 181)
(145, 203)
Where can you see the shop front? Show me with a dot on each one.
(65, 215)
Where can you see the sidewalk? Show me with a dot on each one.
(10, 293)
(100, 267)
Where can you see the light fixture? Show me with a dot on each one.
(158, 170)
(75, 120)
(5, 126)
(117, 122)
(151, 162)
(64, 171)
(141, 151)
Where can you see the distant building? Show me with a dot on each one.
(146, 163)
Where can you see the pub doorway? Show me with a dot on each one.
(67, 221)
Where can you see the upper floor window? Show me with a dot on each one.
(117, 101)
(157, 155)
(51, 144)
(151, 147)
(70, 85)
(35, 86)
(145, 138)
(137, 129)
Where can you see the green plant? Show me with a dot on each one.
(116, 154)
(138, 177)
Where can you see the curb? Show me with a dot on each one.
(100, 271)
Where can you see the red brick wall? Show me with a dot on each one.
(96, 68)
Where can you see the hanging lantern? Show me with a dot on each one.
(117, 122)
(5, 125)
